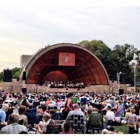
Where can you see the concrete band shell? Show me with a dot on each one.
(88, 68)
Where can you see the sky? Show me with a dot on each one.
(27, 26)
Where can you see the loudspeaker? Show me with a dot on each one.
(121, 91)
(7, 75)
(24, 90)
(24, 75)
(122, 78)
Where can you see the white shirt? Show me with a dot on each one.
(110, 115)
(45, 126)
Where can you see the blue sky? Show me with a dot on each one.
(27, 27)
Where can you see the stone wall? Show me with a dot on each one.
(16, 86)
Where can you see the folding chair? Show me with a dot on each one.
(77, 123)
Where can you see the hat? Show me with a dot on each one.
(108, 105)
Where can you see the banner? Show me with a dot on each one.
(66, 59)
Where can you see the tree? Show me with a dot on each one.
(116, 60)
(1, 76)
(121, 55)
(101, 50)
(16, 72)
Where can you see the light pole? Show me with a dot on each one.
(134, 63)
(118, 79)
(36, 74)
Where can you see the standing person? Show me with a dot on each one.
(68, 105)
(127, 114)
(132, 121)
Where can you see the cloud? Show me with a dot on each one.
(26, 29)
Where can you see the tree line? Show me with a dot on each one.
(114, 60)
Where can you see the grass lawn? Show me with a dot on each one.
(123, 128)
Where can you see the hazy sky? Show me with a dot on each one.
(26, 29)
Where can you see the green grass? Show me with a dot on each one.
(123, 128)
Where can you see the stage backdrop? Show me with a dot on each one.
(66, 59)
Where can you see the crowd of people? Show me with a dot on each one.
(58, 113)
(64, 84)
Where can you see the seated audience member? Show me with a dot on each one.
(36, 102)
(39, 110)
(15, 108)
(109, 130)
(47, 102)
(89, 107)
(112, 129)
(110, 114)
(95, 120)
(121, 107)
(105, 120)
(48, 127)
(54, 114)
(66, 129)
(43, 106)
(76, 111)
(51, 105)
(112, 101)
(3, 111)
(22, 116)
(136, 107)
(82, 107)
(60, 103)
(24, 102)
(13, 127)
(117, 112)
